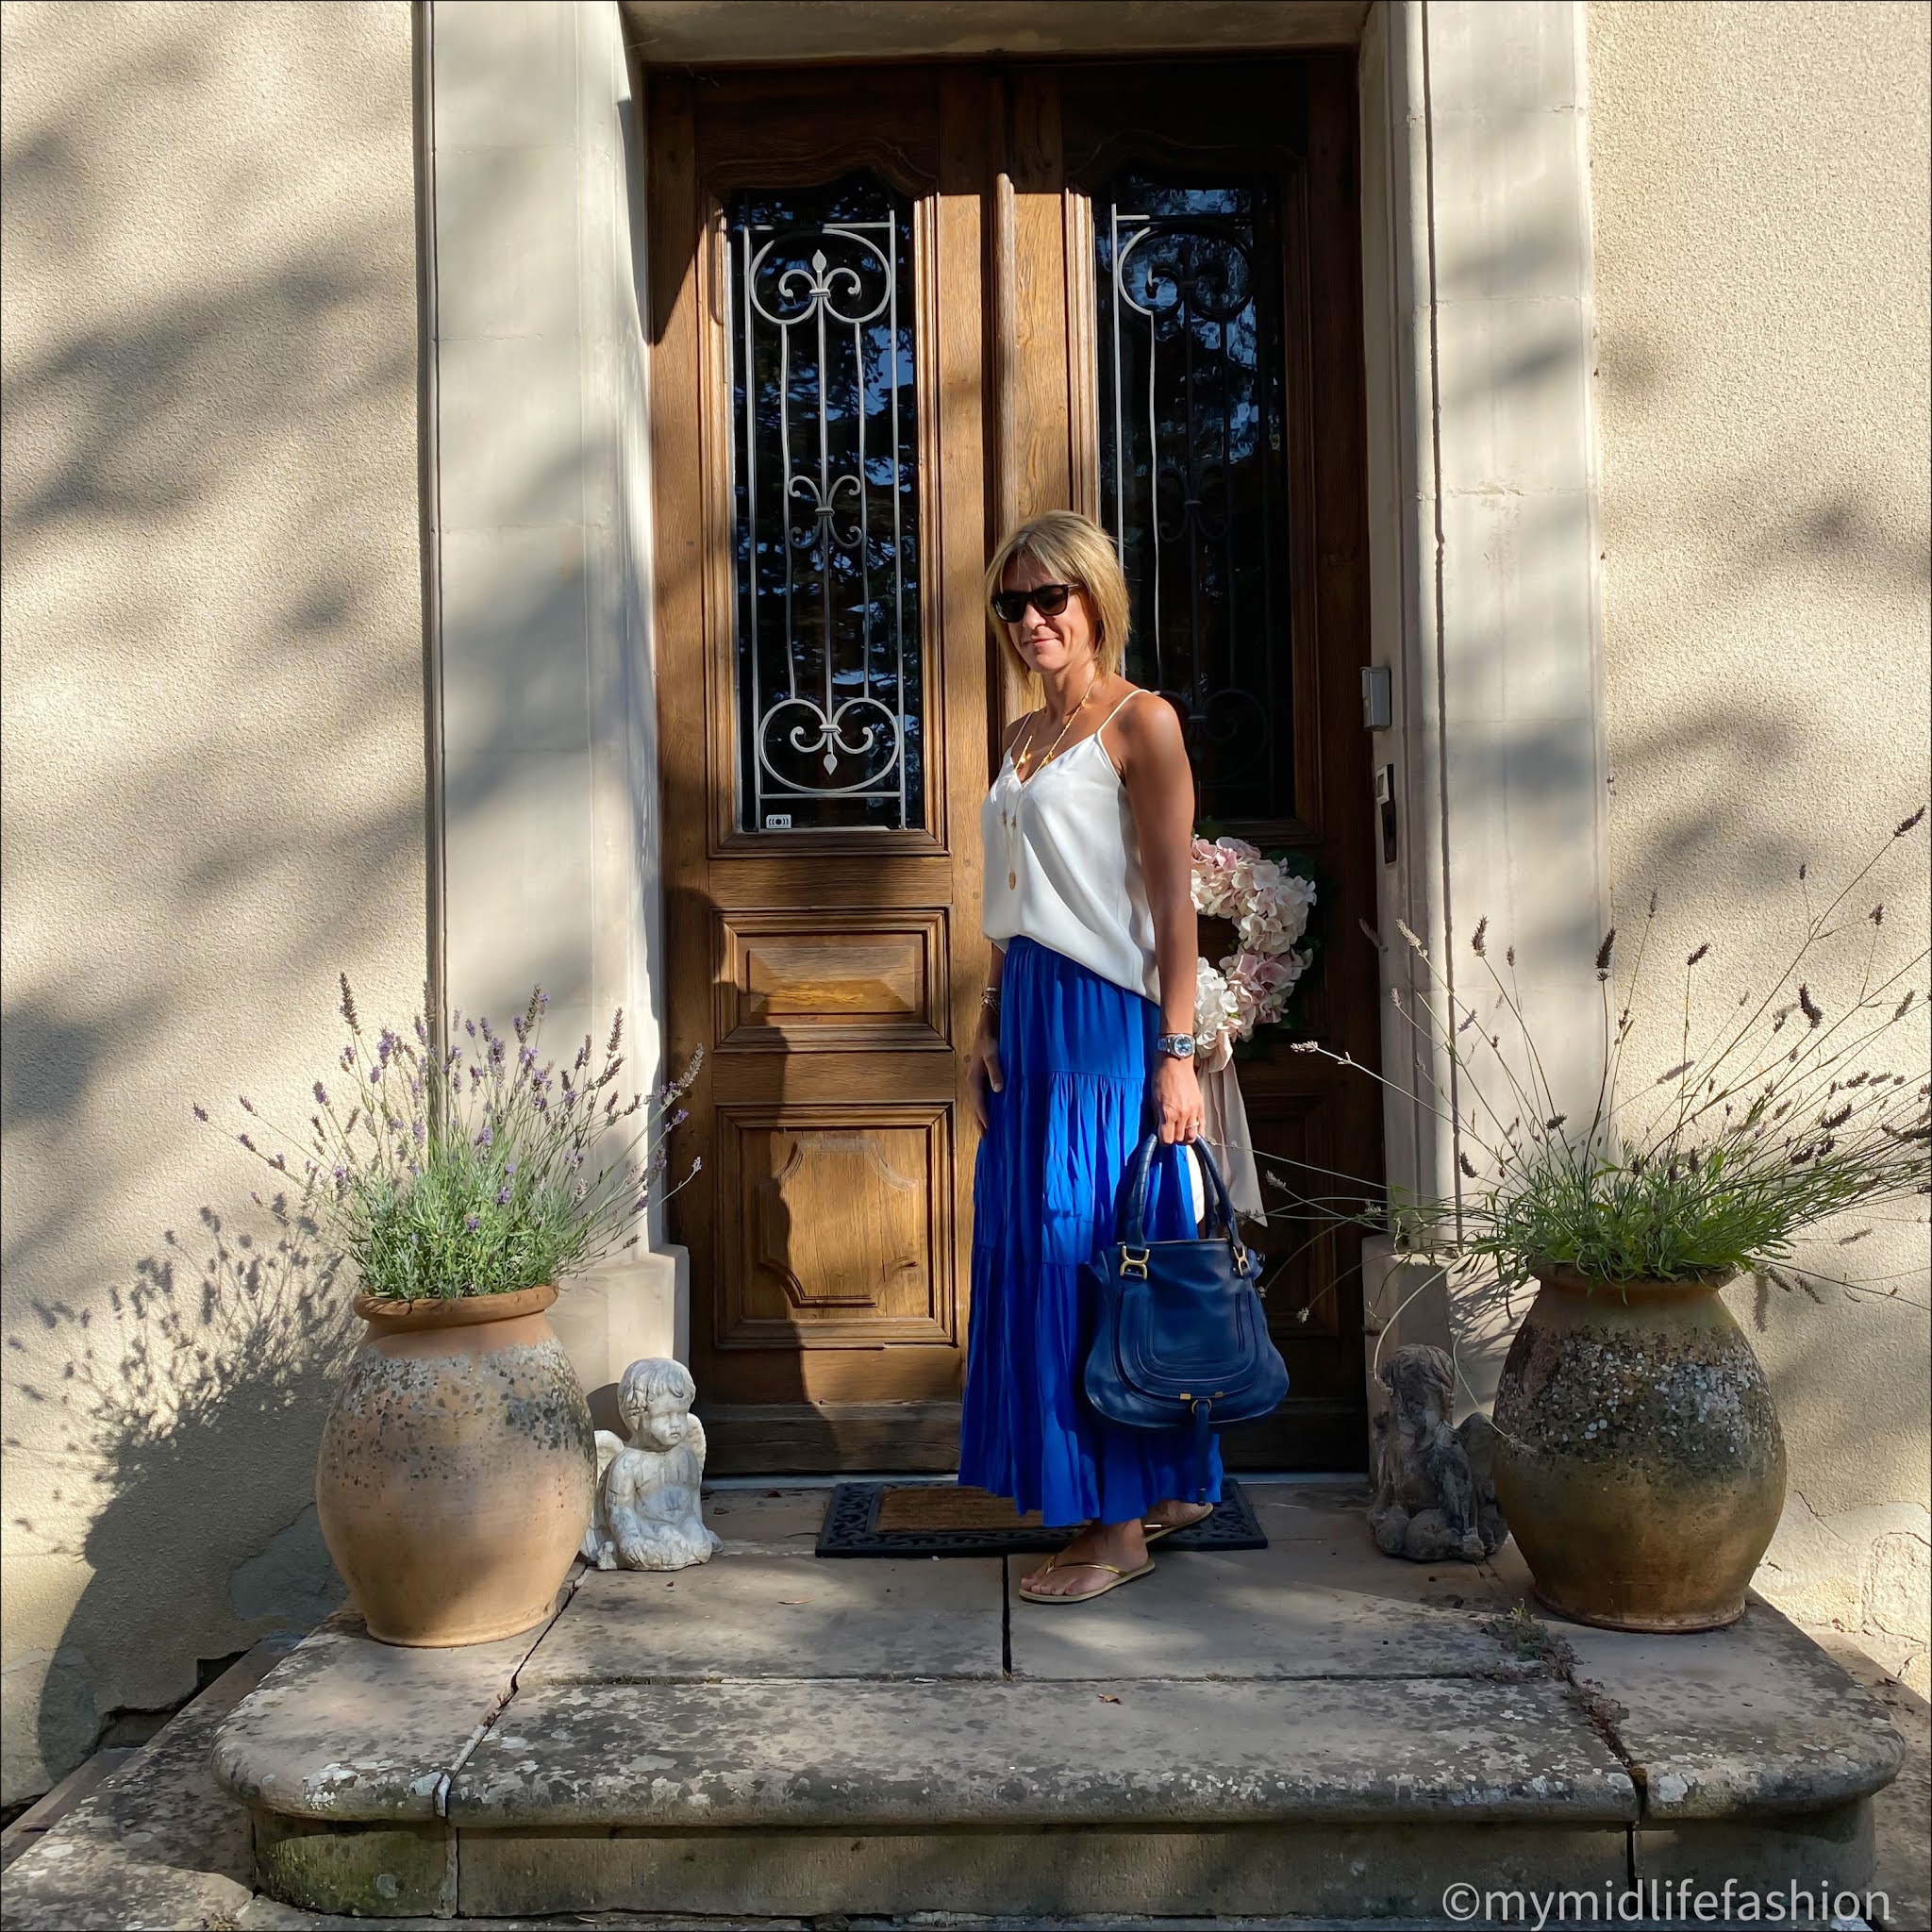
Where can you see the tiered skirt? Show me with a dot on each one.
(1075, 1052)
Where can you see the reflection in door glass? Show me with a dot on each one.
(826, 508)
(1193, 471)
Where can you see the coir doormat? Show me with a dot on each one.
(943, 1520)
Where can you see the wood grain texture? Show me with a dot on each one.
(1292, 122)
(837, 1217)
(1030, 368)
(807, 1437)
(819, 981)
(827, 1229)
(683, 778)
(830, 1231)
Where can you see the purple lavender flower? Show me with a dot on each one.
(246, 1142)
(247, 1105)
(502, 1197)
(376, 1076)
(201, 1113)
(509, 1167)
(472, 1222)
(526, 1057)
(470, 1027)
(486, 1134)
(321, 1093)
(340, 1172)
(419, 1132)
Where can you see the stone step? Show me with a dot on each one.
(1306, 1730)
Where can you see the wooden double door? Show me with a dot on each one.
(894, 312)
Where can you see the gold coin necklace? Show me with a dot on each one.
(1008, 813)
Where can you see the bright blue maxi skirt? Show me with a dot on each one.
(1075, 1050)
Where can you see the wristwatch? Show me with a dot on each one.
(1176, 1046)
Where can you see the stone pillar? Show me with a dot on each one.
(546, 768)
(1479, 314)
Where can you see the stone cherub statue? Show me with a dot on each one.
(1435, 1496)
(646, 1515)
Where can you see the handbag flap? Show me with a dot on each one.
(1192, 1330)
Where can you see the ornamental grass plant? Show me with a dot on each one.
(1805, 1104)
(468, 1164)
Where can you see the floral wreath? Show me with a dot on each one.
(1269, 905)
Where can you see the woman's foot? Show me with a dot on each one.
(1095, 1560)
(1165, 1518)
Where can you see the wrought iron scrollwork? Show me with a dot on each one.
(829, 686)
(1194, 473)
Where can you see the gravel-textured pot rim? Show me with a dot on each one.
(458, 1311)
(1569, 1280)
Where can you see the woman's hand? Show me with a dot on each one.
(1177, 1099)
(983, 1070)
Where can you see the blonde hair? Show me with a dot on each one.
(1078, 551)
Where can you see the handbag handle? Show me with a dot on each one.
(1131, 1221)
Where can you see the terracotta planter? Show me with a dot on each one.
(457, 1469)
(1637, 1456)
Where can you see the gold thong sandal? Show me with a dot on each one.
(1085, 1596)
(1151, 1532)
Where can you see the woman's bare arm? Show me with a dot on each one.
(1160, 790)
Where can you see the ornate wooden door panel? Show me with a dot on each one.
(821, 697)
(894, 308)
(1216, 268)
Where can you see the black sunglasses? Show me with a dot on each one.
(1010, 607)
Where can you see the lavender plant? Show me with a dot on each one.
(472, 1166)
(1793, 1111)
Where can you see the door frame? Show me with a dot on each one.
(1001, 161)
(1500, 805)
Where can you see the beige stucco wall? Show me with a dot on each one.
(214, 788)
(1760, 188)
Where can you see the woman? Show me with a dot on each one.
(1085, 1042)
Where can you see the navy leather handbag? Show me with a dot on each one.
(1183, 1337)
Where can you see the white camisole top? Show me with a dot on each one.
(1063, 864)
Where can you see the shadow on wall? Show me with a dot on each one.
(172, 1398)
(214, 789)
(1736, 754)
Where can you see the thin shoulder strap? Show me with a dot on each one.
(1138, 691)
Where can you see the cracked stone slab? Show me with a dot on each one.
(1301, 1608)
(767, 1522)
(772, 1617)
(1308, 1508)
(157, 1843)
(962, 1755)
(349, 1728)
(1751, 1719)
